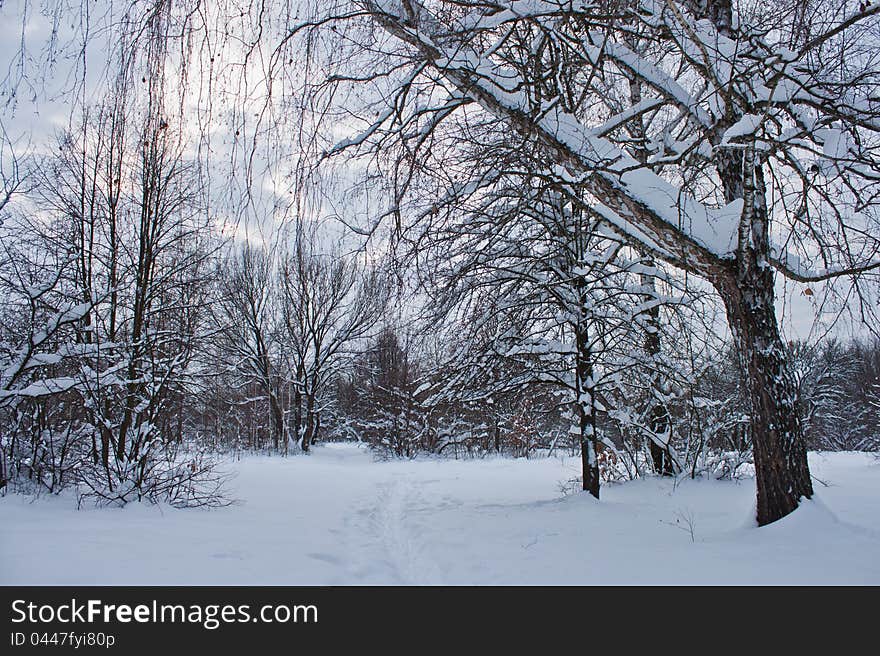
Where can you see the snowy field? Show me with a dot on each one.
(338, 517)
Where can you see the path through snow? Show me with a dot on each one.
(338, 517)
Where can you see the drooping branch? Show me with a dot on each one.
(673, 225)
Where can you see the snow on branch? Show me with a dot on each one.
(694, 235)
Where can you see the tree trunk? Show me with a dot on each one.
(660, 456)
(106, 438)
(305, 440)
(309, 429)
(747, 287)
(297, 413)
(781, 471)
(586, 404)
(658, 415)
(782, 475)
(277, 421)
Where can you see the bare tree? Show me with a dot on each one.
(250, 323)
(123, 202)
(330, 301)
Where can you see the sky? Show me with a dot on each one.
(35, 106)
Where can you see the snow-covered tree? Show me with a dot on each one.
(562, 297)
(762, 141)
(118, 206)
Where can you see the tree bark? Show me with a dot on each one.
(658, 414)
(309, 429)
(586, 403)
(659, 425)
(297, 412)
(781, 471)
(278, 433)
(747, 287)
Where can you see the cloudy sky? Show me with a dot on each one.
(46, 79)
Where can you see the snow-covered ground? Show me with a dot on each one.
(338, 517)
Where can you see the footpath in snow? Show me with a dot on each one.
(337, 517)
